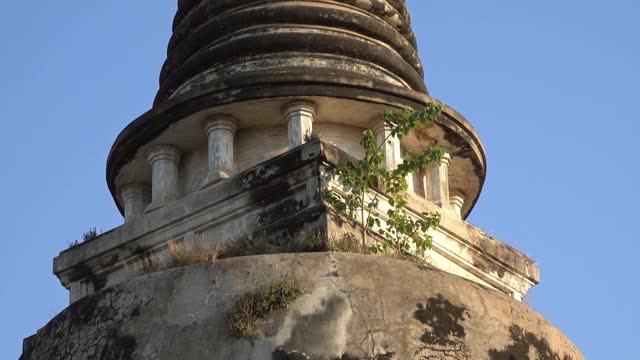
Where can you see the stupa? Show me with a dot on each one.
(258, 101)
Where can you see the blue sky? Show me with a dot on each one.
(551, 87)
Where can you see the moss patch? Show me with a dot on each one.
(259, 303)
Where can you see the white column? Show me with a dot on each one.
(390, 145)
(135, 197)
(438, 182)
(299, 116)
(417, 182)
(457, 202)
(220, 130)
(164, 160)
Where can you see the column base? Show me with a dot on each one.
(214, 178)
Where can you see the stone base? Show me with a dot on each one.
(214, 178)
(354, 307)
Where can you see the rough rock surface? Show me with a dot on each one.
(355, 307)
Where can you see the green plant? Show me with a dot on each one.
(368, 180)
(147, 263)
(92, 234)
(255, 305)
(72, 244)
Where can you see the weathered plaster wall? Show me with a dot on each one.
(342, 136)
(355, 307)
(193, 170)
(255, 145)
(281, 197)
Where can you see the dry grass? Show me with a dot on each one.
(348, 244)
(257, 304)
(180, 254)
(90, 235)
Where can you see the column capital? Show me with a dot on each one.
(390, 146)
(457, 200)
(446, 159)
(299, 117)
(131, 191)
(163, 152)
(134, 197)
(305, 107)
(222, 122)
(378, 125)
(438, 181)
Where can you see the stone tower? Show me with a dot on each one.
(226, 152)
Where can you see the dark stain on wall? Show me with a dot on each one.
(289, 228)
(280, 211)
(523, 343)
(483, 264)
(118, 346)
(84, 272)
(87, 309)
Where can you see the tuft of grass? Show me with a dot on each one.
(257, 304)
(90, 235)
(72, 244)
(179, 254)
(349, 244)
(145, 264)
(247, 246)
